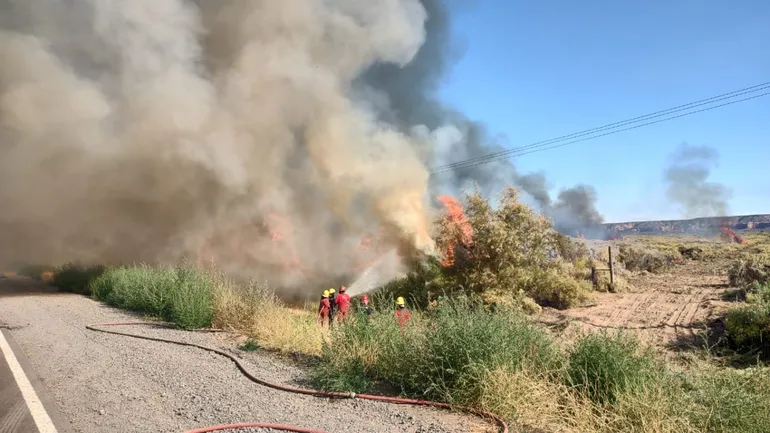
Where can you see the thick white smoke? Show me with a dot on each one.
(228, 130)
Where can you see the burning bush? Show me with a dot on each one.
(506, 254)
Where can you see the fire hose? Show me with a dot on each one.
(503, 427)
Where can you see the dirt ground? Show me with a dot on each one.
(668, 310)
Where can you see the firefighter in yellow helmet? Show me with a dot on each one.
(324, 309)
(402, 314)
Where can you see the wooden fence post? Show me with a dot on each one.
(612, 268)
(594, 277)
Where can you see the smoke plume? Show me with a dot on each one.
(687, 182)
(407, 98)
(268, 137)
(227, 130)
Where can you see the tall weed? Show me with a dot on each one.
(183, 295)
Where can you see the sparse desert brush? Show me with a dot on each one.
(748, 326)
(644, 259)
(692, 252)
(750, 269)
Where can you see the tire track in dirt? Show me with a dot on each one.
(665, 310)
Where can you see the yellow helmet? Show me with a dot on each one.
(400, 301)
(331, 291)
(325, 294)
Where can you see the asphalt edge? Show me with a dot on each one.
(52, 408)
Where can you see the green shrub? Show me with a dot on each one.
(76, 278)
(748, 328)
(249, 345)
(757, 293)
(442, 354)
(506, 254)
(727, 400)
(754, 269)
(183, 295)
(637, 259)
(551, 288)
(604, 367)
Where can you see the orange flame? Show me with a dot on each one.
(278, 227)
(368, 250)
(729, 235)
(455, 217)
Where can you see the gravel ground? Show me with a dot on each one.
(111, 383)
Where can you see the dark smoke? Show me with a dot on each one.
(408, 97)
(575, 212)
(687, 182)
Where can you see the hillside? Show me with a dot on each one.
(695, 225)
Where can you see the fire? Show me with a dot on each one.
(456, 219)
(729, 235)
(278, 227)
(368, 251)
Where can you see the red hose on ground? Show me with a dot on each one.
(396, 400)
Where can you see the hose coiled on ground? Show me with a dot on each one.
(395, 400)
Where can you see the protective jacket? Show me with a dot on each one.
(324, 308)
(332, 305)
(342, 305)
(402, 316)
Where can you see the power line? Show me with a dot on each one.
(537, 147)
(472, 162)
(729, 95)
(612, 125)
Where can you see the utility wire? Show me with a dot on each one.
(606, 127)
(538, 147)
(472, 162)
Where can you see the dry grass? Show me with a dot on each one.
(256, 312)
(535, 402)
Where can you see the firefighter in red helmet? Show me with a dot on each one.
(342, 304)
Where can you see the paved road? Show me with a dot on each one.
(24, 405)
(105, 383)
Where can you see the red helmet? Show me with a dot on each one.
(365, 298)
(342, 289)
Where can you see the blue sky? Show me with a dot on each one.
(535, 70)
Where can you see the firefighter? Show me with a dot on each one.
(324, 309)
(342, 304)
(402, 314)
(332, 305)
(365, 307)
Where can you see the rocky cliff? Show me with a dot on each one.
(691, 226)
